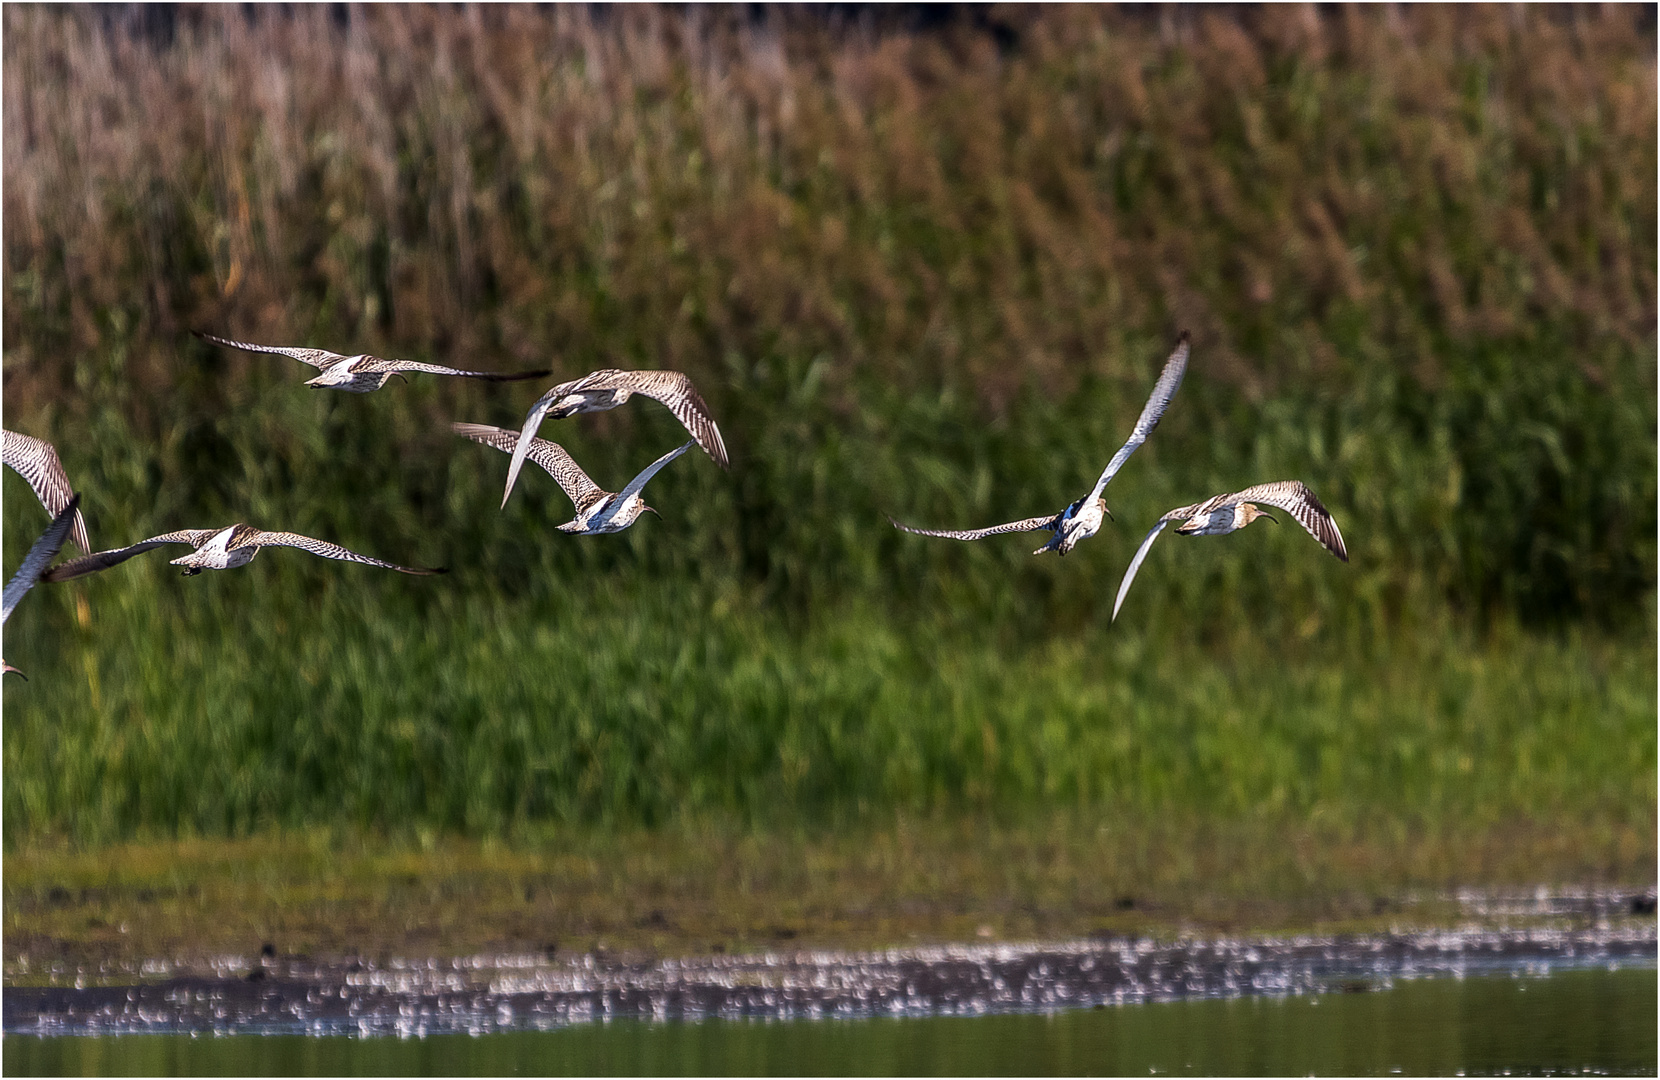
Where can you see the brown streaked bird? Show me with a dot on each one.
(42, 552)
(1083, 519)
(219, 549)
(37, 462)
(608, 388)
(1223, 514)
(363, 373)
(597, 510)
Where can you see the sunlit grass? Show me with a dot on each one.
(280, 696)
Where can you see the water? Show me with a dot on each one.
(1567, 1022)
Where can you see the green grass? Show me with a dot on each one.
(292, 693)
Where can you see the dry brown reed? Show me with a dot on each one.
(943, 202)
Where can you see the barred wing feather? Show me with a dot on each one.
(675, 390)
(1301, 503)
(1047, 521)
(317, 358)
(103, 560)
(36, 461)
(375, 366)
(552, 457)
(259, 538)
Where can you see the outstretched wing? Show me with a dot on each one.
(261, 538)
(1048, 521)
(521, 445)
(552, 457)
(37, 462)
(375, 365)
(1301, 503)
(317, 358)
(1135, 563)
(650, 471)
(103, 560)
(675, 390)
(1163, 390)
(43, 551)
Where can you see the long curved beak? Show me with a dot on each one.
(1270, 517)
(651, 509)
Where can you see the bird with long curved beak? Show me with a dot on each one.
(1223, 514)
(1083, 519)
(362, 373)
(220, 549)
(608, 388)
(597, 510)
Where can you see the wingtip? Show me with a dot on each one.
(1184, 338)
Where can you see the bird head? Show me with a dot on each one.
(1252, 513)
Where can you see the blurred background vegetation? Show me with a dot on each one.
(924, 263)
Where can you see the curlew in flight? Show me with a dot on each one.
(1223, 514)
(219, 549)
(597, 510)
(36, 462)
(43, 551)
(362, 373)
(1082, 519)
(609, 388)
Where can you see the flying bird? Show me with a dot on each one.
(1223, 514)
(43, 551)
(1082, 519)
(606, 389)
(597, 510)
(36, 462)
(218, 549)
(363, 373)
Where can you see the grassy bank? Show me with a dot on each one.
(439, 709)
(697, 888)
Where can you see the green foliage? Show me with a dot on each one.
(452, 705)
(915, 272)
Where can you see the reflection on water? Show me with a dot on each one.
(490, 994)
(1568, 1022)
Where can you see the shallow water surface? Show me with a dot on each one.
(1568, 1022)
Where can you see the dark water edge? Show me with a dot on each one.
(493, 993)
(1573, 1022)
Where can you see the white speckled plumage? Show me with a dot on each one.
(597, 510)
(1223, 514)
(219, 549)
(609, 388)
(362, 373)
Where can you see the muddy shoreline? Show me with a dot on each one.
(491, 993)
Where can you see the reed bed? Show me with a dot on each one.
(922, 268)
